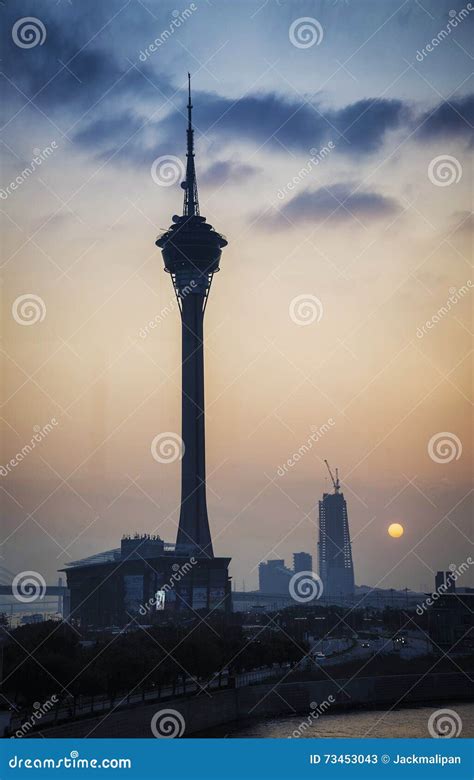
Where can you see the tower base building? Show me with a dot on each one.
(144, 580)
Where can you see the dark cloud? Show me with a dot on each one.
(223, 170)
(363, 125)
(100, 133)
(279, 123)
(341, 202)
(274, 122)
(450, 119)
(85, 59)
(129, 139)
(265, 120)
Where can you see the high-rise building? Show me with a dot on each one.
(274, 577)
(302, 561)
(335, 554)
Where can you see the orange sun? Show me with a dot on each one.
(395, 530)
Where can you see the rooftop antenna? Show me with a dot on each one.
(335, 482)
(189, 185)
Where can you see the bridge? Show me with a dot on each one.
(50, 591)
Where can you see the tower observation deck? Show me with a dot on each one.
(191, 251)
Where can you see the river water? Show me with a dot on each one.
(411, 722)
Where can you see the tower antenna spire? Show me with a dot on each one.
(191, 202)
(190, 105)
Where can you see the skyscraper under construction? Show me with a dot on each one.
(335, 554)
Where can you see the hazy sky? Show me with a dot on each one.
(335, 263)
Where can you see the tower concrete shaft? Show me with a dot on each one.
(193, 520)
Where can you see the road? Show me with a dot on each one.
(415, 645)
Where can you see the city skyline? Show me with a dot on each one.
(318, 343)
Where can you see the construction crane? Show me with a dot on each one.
(335, 482)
